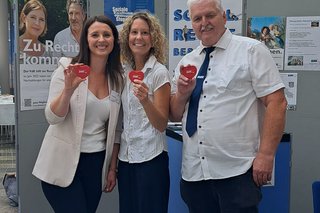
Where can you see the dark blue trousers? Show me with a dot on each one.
(84, 193)
(237, 194)
(144, 187)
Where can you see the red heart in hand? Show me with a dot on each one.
(136, 74)
(81, 71)
(189, 71)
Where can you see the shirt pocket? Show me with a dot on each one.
(233, 79)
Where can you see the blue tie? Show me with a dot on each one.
(191, 126)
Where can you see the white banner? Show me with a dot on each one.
(182, 38)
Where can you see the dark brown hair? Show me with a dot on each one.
(113, 68)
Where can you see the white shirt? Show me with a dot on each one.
(67, 44)
(240, 71)
(94, 128)
(140, 141)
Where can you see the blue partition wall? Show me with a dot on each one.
(176, 204)
(275, 198)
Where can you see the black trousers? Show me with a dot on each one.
(237, 194)
(84, 193)
(144, 187)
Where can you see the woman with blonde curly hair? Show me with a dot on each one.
(143, 172)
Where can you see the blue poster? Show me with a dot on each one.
(119, 10)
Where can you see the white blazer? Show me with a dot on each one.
(60, 150)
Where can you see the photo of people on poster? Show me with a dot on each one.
(38, 27)
(269, 30)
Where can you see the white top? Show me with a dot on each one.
(140, 141)
(240, 71)
(94, 129)
(67, 44)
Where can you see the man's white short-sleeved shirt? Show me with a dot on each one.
(240, 71)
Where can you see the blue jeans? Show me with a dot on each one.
(237, 194)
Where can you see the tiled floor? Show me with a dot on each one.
(7, 165)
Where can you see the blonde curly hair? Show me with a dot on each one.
(158, 39)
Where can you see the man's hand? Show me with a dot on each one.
(262, 169)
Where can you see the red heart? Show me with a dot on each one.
(189, 71)
(81, 71)
(136, 74)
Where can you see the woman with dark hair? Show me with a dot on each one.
(81, 144)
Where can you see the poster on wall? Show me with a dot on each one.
(271, 32)
(290, 81)
(38, 46)
(119, 10)
(303, 43)
(182, 38)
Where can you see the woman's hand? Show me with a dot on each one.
(140, 90)
(60, 104)
(71, 81)
(111, 181)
